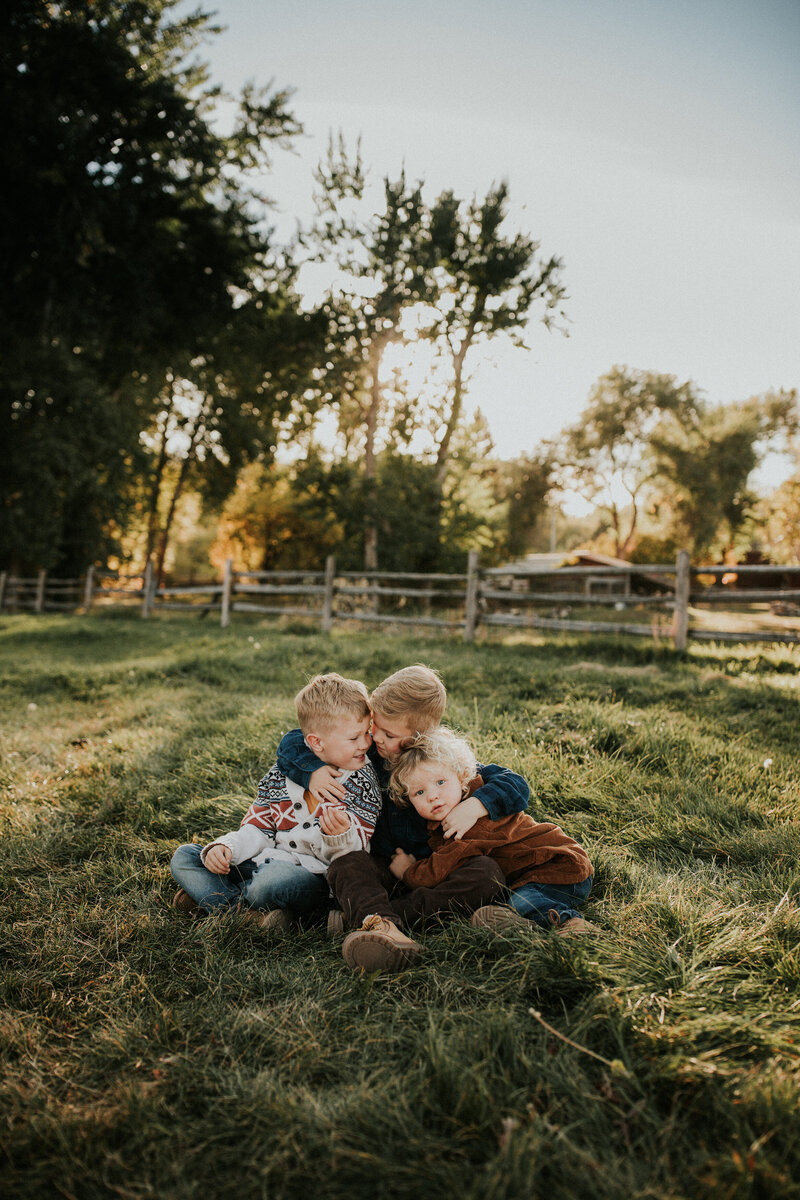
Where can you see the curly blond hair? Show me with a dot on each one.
(441, 745)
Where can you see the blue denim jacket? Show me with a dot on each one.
(503, 794)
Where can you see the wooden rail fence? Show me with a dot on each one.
(669, 596)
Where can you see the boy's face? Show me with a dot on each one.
(344, 745)
(434, 790)
(391, 734)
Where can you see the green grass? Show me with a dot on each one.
(148, 1056)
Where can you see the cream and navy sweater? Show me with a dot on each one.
(282, 825)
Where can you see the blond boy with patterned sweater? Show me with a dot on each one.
(274, 865)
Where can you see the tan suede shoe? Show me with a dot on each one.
(379, 946)
(335, 922)
(275, 920)
(577, 927)
(499, 918)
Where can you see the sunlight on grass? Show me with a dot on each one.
(150, 1056)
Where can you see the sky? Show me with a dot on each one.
(653, 145)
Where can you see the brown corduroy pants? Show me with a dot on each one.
(363, 884)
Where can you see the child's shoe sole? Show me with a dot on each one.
(498, 918)
(577, 927)
(373, 950)
(335, 922)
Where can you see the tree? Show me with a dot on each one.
(774, 523)
(445, 275)
(287, 517)
(705, 464)
(487, 283)
(606, 456)
(383, 263)
(290, 516)
(523, 486)
(126, 228)
(223, 408)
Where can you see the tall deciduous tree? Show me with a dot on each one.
(606, 457)
(383, 262)
(125, 229)
(487, 282)
(704, 466)
(445, 274)
(223, 408)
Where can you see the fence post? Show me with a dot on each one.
(471, 601)
(147, 589)
(3, 578)
(227, 588)
(88, 591)
(38, 603)
(680, 619)
(327, 602)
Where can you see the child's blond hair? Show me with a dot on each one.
(327, 699)
(416, 694)
(440, 746)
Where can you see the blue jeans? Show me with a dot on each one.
(273, 884)
(549, 903)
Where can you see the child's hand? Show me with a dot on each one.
(400, 862)
(461, 818)
(323, 784)
(334, 820)
(218, 859)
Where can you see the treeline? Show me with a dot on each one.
(165, 371)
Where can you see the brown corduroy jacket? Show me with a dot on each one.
(526, 851)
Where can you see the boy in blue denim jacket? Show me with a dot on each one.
(409, 702)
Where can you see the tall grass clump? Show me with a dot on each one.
(149, 1056)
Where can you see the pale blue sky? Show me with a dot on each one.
(653, 144)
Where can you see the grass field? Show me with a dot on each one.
(148, 1056)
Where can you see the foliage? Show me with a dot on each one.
(706, 462)
(413, 273)
(605, 456)
(291, 516)
(524, 484)
(486, 284)
(774, 523)
(126, 228)
(286, 517)
(151, 1056)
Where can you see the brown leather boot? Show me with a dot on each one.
(186, 905)
(275, 920)
(379, 946)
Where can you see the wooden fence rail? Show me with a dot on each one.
(671, 597)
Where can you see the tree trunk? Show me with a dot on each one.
(155, 491)
(176, 494)
(459, 357)
(371, 491)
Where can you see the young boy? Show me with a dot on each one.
(407, 703)
(275, 863)
(547, 871)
